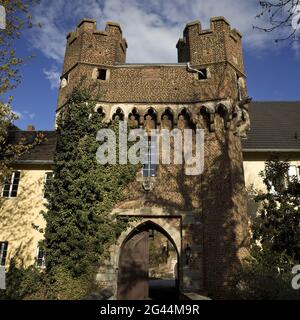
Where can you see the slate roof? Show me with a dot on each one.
(274, 126)
(41, 153)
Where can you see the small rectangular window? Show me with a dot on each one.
(40, 258)
(11, 185)
(202, 74)
(149, 168)
(3, 252)
(101, 74)
(47, 181)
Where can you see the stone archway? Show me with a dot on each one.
(133, 267)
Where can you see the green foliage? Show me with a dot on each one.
(266, 276)
(155, 254)
(23, 283)
(10, 152)
(277, 225)
(62, 285)
(82, 194)
(18, 17)
(275, 248)
(34, 284)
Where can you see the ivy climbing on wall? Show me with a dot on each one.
(83, 193)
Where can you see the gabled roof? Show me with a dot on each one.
(275, 126)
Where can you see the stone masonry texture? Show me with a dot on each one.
(218, 231)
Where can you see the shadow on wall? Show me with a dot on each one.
(22, 281)
(219, 195)
(21, 220)
(225, 220)
(132, 274)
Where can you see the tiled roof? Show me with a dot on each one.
(274, 126)
(43, 152)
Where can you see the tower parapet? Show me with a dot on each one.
(207, 91)
(211, 68)
(217, 44)
(88, 45)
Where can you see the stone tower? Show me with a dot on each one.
(204, 216)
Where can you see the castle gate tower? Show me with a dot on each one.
(203, 216)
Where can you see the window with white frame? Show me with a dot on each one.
(149, 168)
(3, 252)
(11, 185)
(47, 180)
(40, 258)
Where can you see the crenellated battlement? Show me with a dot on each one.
(88, 45)
(210, 68)
(90, 26)
(217, 44)
(206, 96)
(217, 24)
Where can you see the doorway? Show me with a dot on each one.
(148, 265)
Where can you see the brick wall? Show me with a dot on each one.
(214, 202)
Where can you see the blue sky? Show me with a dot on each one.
(152, 29)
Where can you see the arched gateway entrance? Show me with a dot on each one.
(147, 249)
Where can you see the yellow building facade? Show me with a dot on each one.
(22, 223)
(22, 202)
(21, 220)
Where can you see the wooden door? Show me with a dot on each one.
(133, 268)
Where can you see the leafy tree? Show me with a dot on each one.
(83, 192)
(278, 224)
(12, 151)
(276, 237)
(18, 17)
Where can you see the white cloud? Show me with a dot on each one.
(25, 115)
(57, 17)
(53, 75)
(152, 28)
(29, 114)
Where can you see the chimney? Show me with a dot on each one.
(30, 127)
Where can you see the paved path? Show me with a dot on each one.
(163, 289)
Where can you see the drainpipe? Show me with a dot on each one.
(189, 68)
